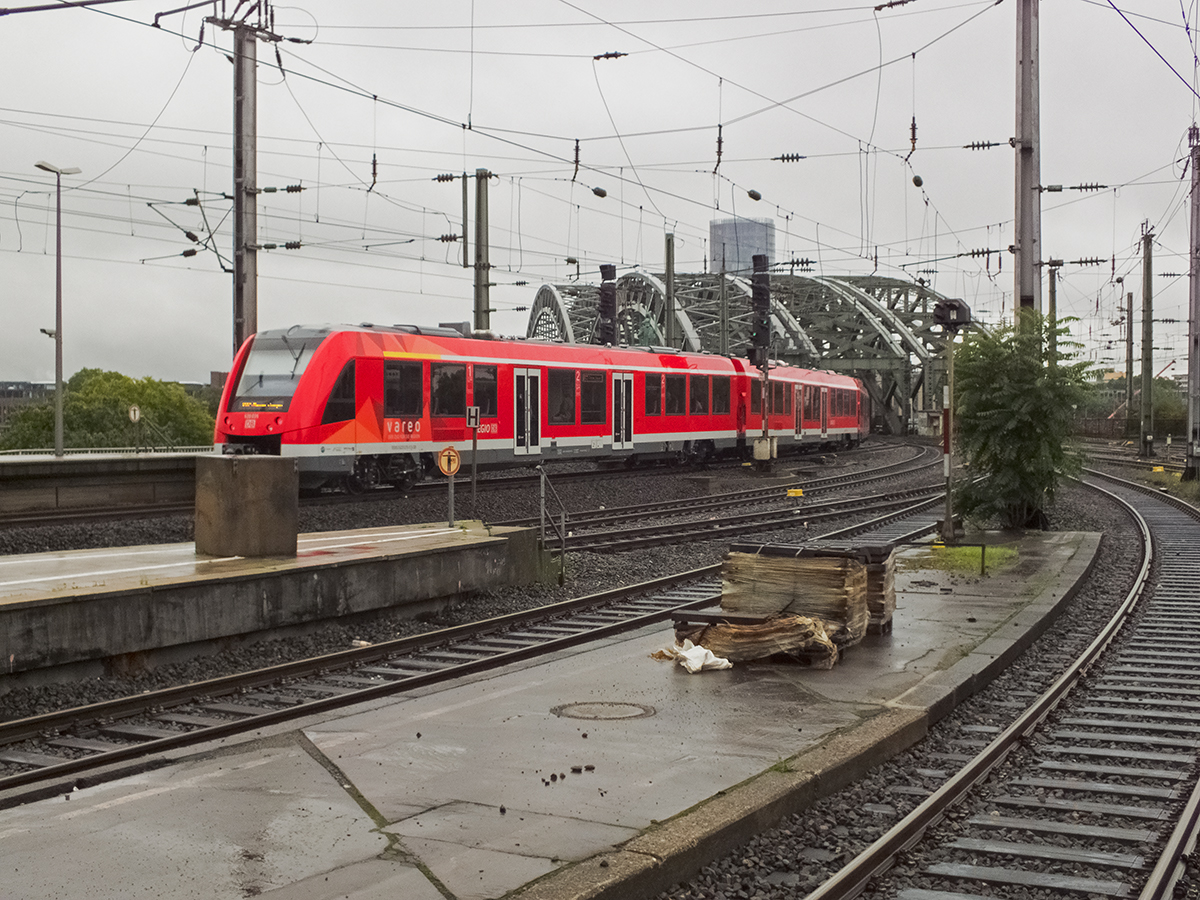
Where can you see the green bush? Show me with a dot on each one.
(1014, 409)
(96, 414)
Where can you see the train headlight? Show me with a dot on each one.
(279, 420)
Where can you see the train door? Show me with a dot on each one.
(798, 406)
(527, 398)
(824, 411)
(622, 405)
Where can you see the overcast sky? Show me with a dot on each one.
(147, 115)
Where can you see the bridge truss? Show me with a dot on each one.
(878, 329)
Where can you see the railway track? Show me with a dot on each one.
(38, 755)
(489, 482)
(1092, 791)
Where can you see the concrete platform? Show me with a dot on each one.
(123, 608)
(460, 791)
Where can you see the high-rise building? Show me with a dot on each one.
(733, 243)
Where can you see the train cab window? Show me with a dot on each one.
(340, 405)
(654, 395)
(561, 396)
(720, 395)
(756, 397)
(698, 394)
(272, 371)
(593, 399)
(447, 389)
(485, 390)
(403, 394)
(676, 395)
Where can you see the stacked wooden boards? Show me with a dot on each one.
(809, 601)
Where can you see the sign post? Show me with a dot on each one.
(449, 461)
(473, 424)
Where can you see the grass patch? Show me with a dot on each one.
(1176, 486)
(960, 560)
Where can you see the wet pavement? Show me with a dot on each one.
(594, 773)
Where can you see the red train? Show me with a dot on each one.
(369, 404)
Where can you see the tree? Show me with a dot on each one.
(1014, 409)
(96, 414)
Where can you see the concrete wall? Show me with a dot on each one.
(131, 629)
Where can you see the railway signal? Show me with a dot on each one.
(606, 326)
(760, 312)
(952, 314)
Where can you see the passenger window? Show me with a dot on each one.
(777, 396)
(448, 389)
(485, 390)
(340, 405)
(756, 397)
(402, 390)
(593, 402)
(720, 395)
(654, 395)
(676, 395)
(698, 388)
(561, 386)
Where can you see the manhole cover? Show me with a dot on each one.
(603, 710)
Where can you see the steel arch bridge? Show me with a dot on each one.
(877, 329)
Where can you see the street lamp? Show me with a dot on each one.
(58, 373)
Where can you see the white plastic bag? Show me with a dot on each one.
(694, 659)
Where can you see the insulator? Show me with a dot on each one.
(267, 190)
(1089, 186)
(448, 238)
(754, 195)
(191, 237)
(192, 201)
(269, 246)
(520, 284)
(789, 157)
(600, 192)
(190, 251)
(444, 177)
(980, 145)
(294, 188)
(292, 245)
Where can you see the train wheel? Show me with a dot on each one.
(352, 484)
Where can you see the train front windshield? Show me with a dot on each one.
(272, 371)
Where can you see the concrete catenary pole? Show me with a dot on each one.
(245, 183)
(483, 312)
(669, 300)
(1192, 460)
(1027, 143)
(1129, 364)
(1147, 439)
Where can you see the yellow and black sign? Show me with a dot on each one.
(448, 460)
